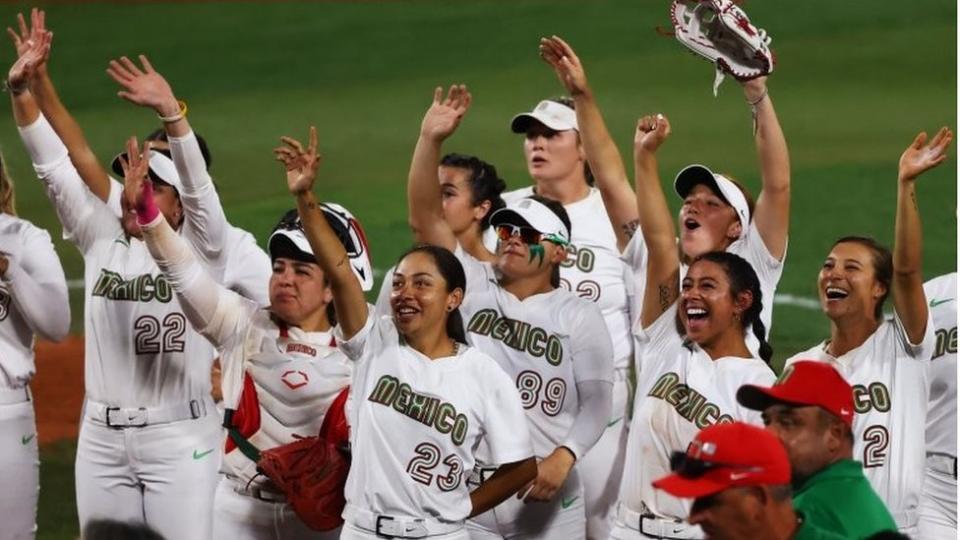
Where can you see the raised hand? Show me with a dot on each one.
(36, 50)
(145, 87)
(652, 130)
(301, 165)
(444, 115)
(137, 189)
(922, 156)
(565, 63)
(36, 29)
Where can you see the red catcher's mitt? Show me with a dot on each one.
(311, 472)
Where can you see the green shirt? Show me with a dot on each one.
(809, 531)
(839, 499)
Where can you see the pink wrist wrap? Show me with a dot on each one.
(147, 209)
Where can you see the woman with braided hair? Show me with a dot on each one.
(695, 353)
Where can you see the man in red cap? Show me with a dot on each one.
(810, 408)
(739, 476)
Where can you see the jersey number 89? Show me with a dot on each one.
(529, 383)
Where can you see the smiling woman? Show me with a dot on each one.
(886, 360)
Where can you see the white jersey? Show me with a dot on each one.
(546, 343)
(942, 371)
(139, 349)
(682, 391)
(33, 298)
(420, 422)
(750, 247)
(247, 269)
(889, 379)
(593, 269)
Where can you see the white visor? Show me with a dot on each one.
(693, 175)
(160, 165)
(555, 116)
(533, 214)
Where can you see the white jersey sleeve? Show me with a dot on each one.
(84, 217)
(248, 267)
(504, 423)
(33, 298)
(217, 313)
(942, 411)
(204, 223)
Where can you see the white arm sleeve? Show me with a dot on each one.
(596, 404)
(213, 310)
(593, 373)
(205, 224)
(36, 282)
(84, 217)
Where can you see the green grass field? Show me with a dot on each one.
(855, 82)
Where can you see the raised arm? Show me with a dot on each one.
(348, 299)
(81, 155)
(424, 206)
(203, 213)
(602, 154)
(656, 223)
(213, 310)
(909, 300)
(772, 211)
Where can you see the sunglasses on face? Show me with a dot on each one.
(527, 235)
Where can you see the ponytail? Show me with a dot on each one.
(455, 329)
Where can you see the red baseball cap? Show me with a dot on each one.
(804, 383)
(725, 456)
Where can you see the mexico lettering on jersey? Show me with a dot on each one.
(593, 269)
(889, 378)
(280, 380)
(942, 371)
(420, 421)
(546, 344)
(684, 391)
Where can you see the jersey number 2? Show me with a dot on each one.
(150, 337)
(875, 438)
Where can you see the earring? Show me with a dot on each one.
(736, 316)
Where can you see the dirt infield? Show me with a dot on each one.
(58, 389)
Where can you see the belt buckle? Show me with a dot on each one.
(660, 524)
(379, 524)
(135, 417)
(416, 529)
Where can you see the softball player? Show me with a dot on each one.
(148, 426)
(938, 502)
(470, 189)
(567, 147)
(689, 381)
(885, 360)
(424, 400)
(554, 345)
(33, 301)
(281, 368)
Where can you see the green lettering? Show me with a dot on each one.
(385, 390)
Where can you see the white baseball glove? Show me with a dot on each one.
(720, 31)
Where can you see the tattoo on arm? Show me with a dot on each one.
(913, 197)
(665, 296)
(629, 229)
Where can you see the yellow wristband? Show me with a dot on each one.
(177, 117)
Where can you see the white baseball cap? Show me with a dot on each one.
(695, 174)
(288, 240)
(161, 168)
(555, 116)
(532, 213)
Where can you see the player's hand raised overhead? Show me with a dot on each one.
(145, 87)
(33, 49)
(565, 63)
(444, 115)
(301, 164)
(922, 156)
(652, 131)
